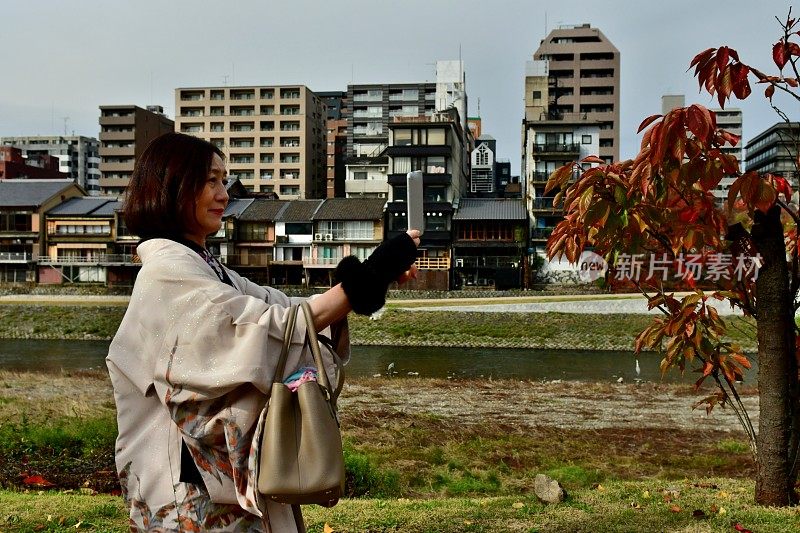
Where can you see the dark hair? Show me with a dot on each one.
(166, 180)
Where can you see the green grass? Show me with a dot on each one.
(612, 506)
(535, 330)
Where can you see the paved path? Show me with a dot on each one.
(636, 305)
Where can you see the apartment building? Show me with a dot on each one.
(78, 156)
(584, 74)
(272, 136)
(439, 147)
(125, 131)
(550, 140)
(774, 150)
(730, 120)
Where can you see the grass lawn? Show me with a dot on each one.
(708, 505)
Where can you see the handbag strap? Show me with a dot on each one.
(313, 341)
(287, 342)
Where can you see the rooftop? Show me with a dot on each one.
(490, 209)
(30, 193)
(351, 209)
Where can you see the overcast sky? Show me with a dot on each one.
(66, 58)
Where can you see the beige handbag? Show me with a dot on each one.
(301, 447)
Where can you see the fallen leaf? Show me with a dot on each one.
(724, 495)
(741, 529)
(49, 518)
(646, 494)
(37, 481)
(699, 514)
(78, 525)
(635, 505)
(722, 511)
(600, 487)
(467, 522)
(675, 508)
(327, 528)
(714, 508)
(517, 505)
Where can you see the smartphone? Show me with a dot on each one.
(414, 205)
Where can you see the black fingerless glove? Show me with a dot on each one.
(365, 284)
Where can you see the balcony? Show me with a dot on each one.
(312, 262)
(367, 97)
(358, 113)
(557, 148)
(433, 263)
(405, 96)
(489, 261)
(16, 257)
(541, 234)
(95, 259)
(545, 203)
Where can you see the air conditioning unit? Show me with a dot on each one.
(318, 236)
(328, 237)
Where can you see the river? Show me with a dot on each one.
(56, 355)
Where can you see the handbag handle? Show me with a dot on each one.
(288, 333)
(313, 342)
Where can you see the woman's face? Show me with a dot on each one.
(210, 203)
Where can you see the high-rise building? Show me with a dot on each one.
(550, 139)
(372, 106)
(125, 131)
(78, 156)
(335, 141)
(774, 150)
(273, 136)
(438, 146)
(14, 166)
(730, 120)
(584, 74)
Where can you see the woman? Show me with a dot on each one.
(195, 354)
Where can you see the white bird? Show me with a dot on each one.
(390, 367)
(638, 370)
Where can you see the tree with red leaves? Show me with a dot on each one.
(661, 205)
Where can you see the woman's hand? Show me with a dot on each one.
(411, 273)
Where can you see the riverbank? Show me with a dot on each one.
(394, 327)
(429, 455)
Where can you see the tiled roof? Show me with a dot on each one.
(490, 209)
(236, 206)
(81, 206)
(30, 193)
(110, 208)
(351, 209)
(263, 210)
(298, 211)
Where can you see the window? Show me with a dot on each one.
(267, 94)
(402, 137)
(291, 190)
(586, 139)
(402, 165)
(436, 136)
(537, 95)
(359, 175)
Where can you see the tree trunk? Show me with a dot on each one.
(777, 369)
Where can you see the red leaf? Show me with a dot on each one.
(37, 481)
(779, 54)
(646, 122)
(741, 86)
(741, 529)
(791, 81)
(793, 49)
(724, 86)
(699, 122)
(770, 90)
(592, 159)
(722, 57)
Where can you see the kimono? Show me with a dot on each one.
(191, 366)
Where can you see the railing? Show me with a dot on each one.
(90, 259)
(545, 203)
(367, 97)
(493, 261)
(351, 235)
(541, 233)
(394, 97)
(323, 261)
(249, 260)
(557, 147)
(15, 257)
(433, 263)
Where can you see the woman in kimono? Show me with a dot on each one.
(195, 354)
